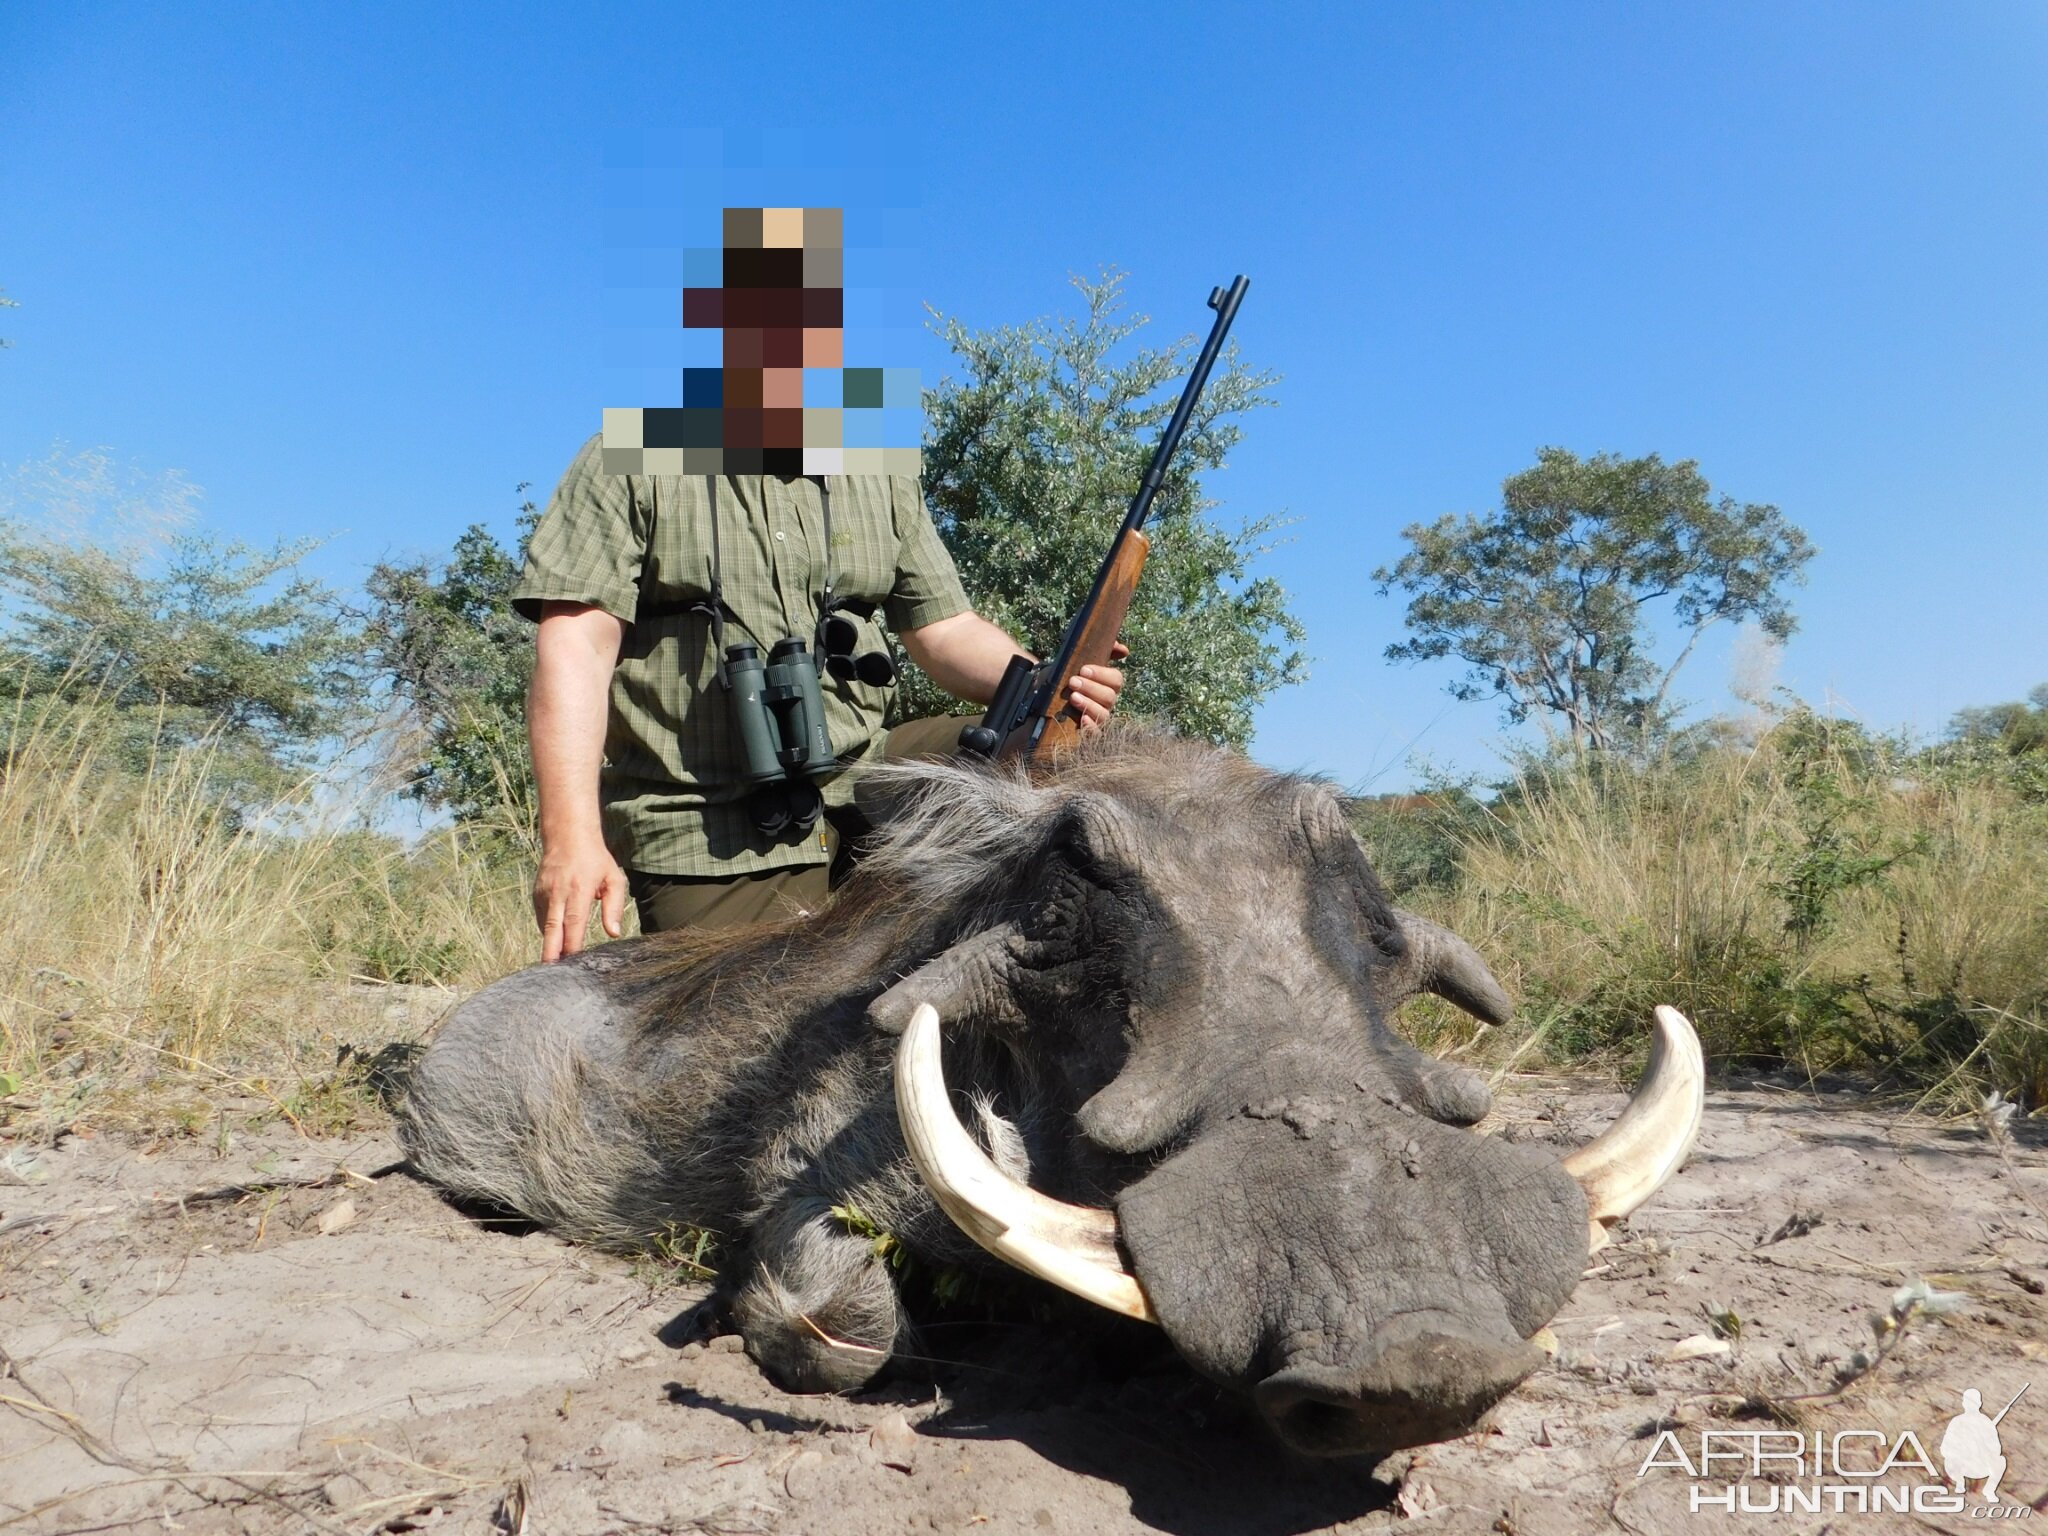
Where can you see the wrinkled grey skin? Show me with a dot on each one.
(1165, 976)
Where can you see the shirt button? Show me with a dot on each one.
(780, 536)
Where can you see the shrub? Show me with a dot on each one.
(1821, 899)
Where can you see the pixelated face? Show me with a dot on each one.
(783, 403)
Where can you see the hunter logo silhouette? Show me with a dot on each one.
(1970, 1448)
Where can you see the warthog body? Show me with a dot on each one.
(1165, 976)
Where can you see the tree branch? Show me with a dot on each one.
(1657, 703)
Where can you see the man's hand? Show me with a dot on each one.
(1095, 689)
(570, 879)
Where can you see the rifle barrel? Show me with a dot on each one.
(2008, 1407)
(1225, 303)
(1029, 691)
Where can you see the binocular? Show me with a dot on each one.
(779, 713)
(780, 716)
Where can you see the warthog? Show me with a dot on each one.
(1155, 981)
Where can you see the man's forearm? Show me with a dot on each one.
(965, 655)
(566, 711)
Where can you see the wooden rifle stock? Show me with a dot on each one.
(1032, 714)
(1099, 625)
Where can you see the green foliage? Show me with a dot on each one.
(941, 1285)
(2017, 728)
(1974, 761)
(1030, 462)
(886, 1245)
(368, 924)
(458, 661)
(341, 1102)
(1414, 841)
(1821, 898)
(409, 957)
(181, 638)
(1545, 600)
(680, 1254)
(1830, 850)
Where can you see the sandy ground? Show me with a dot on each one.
(195, 1342)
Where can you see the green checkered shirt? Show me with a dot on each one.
(674, 797)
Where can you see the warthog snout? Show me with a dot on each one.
(1428, 1377)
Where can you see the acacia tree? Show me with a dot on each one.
(106, 602)
(2017, 727)
(1031, 458)
(1546, 601)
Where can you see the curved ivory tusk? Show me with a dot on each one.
(1623, 1167)
(1073, 1246)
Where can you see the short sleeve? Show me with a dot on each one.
(589, 544)
(927, 587)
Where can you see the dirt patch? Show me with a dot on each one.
(279, 1335)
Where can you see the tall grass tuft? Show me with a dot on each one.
(1819, 900)
(160, 937)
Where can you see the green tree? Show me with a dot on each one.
(1031, 458)
(457, 661)
(1546, 600)
(2016, 727)
(184, 638)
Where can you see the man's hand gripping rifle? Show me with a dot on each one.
(1031, 714)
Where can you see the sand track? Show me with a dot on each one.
(227, 1364)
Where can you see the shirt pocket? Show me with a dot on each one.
(678, 568)
(864, 543)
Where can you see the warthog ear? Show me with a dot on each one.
(972, 980)
(1094, 831)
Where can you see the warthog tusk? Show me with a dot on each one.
(1073, 1246)
(1622, 1167)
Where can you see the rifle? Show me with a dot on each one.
(1031, 713)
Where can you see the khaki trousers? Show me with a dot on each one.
(667, 902)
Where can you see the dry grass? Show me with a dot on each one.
(160, 949)
(162, 955)
(1816, 899)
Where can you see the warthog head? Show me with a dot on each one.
(1199, 958)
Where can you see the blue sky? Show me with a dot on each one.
(357, 271)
